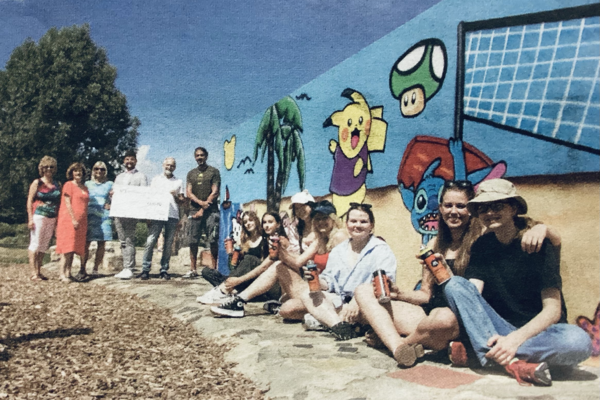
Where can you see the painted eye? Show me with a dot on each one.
(349, 122)
(421, 201)
(360, 120)
(413, 98)
(405, 100)
(440, 194)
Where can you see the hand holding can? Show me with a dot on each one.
(235, 257)
(228, 245)
(312, 276)
(274, 247)
(381, 285)
(440, 270)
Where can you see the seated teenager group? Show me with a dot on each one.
(502, 305)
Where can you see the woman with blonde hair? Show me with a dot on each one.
(72, 220)
(99, 224)
(42, 208)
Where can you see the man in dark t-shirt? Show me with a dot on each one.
(511, 306)
(202, 188)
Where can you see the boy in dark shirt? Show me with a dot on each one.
(510, 302)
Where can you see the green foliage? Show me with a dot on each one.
(58, 98)
(279, 135)
(8, 230)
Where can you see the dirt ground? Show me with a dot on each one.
(85, 341)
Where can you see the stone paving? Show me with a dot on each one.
(290, 363)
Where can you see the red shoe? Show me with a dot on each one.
(525, 372)
(457, 353)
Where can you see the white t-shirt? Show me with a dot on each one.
(162, 183)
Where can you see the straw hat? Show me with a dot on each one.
(496, 190)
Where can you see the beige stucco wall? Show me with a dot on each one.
(570, 203)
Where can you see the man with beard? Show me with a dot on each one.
(202, 188)
(126, 226)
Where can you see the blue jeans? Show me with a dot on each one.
(558, 345)
(154, 232)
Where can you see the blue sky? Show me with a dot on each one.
(194, 70)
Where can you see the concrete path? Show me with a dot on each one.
(290, 363)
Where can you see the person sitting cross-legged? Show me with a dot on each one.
(510, 302)
(350, 264)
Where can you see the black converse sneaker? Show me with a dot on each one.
(232, 307)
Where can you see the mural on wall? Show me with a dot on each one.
(430, 161)
(418, 75)
(229, 149)
(536, 75)
(361, 130)
(279, 136)
(592, 327)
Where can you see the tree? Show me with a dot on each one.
(58, 98)
(279, 135)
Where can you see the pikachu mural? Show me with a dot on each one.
(361, 131)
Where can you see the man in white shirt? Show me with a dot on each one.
(166, 182)
(126, 226)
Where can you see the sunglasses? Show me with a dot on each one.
(100, 169)
(361, 205)
(459, 184)
(495, 207)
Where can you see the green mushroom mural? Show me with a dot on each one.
(418, 75)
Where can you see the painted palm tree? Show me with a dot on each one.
(279, 136)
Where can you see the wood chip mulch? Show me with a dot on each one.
(85, 341)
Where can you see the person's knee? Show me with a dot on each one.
(444, 319)
(456, 284)
(363, 292)
(575, 341)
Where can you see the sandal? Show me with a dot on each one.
(64, 279)
(80, 277)
(35, 278)
(343, 331)
(406, 355)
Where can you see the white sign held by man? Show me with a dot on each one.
(140, 202)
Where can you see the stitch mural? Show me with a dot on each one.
(428, 162)
(418, 75)
(279, 135)
(361, 130)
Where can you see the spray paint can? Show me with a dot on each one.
(381, 286)
(313, 284)
(274, 247)
(438, 269)
(235, 257)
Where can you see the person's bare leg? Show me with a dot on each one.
(193, 256)
(389, 320)
(68, 264)
(262, 284)
(436, 330)
(84, 260)
(38, 264)
(293, 309)
(99, 255)
(33, 263)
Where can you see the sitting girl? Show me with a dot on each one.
(254, 260)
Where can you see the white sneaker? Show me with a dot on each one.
(310, 323)
(125, 274)
(213, 296)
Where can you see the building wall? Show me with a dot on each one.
(519, 98)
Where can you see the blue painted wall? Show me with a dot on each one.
(368, 72)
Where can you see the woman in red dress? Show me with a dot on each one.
(72, 220)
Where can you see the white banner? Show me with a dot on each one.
(140, 202)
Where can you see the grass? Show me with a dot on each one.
(12, 255)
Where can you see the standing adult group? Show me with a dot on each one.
(79, 212)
